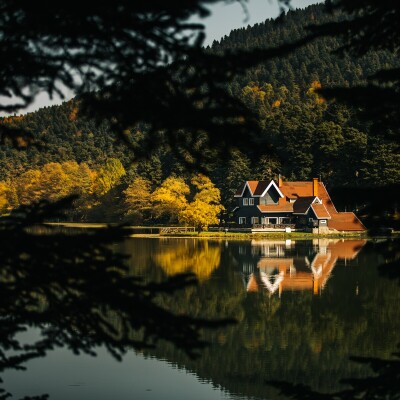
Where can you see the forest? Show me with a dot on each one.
(302, 136)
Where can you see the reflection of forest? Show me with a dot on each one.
(297, 337)
(280, 267)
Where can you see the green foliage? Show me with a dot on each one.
(299, 134)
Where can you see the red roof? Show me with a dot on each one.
(346, 221)
(285, 207)
(320, 211)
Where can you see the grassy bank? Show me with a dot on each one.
(267, 235)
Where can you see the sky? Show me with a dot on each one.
(224, 18)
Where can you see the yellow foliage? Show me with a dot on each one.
(207, 192)
(28, 187)
(276, 104)
(200, 214)
(198, 257)
(170, 197)
(73, 114)
(53, 182)
(109, 175)
(312, 91)
(204, 209)
(138, 196)
(3, 198)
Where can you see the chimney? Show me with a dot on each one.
(280, 181)
(315, 187)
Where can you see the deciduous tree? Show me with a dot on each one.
(170, 198)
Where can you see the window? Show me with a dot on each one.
(242, 220)
(251, 202)
(272, 221)
(254, 220)
(245, 201)
(322, 222)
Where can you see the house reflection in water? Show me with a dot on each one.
(286, 265)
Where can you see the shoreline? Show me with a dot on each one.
(220, 235)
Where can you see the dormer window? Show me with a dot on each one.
(251, 202)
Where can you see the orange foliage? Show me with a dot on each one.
(276, 104)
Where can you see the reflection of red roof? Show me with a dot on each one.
(252, 285)
(346, 249)
(320, 211)
(281, 264)
(285, 207)
(320, 268)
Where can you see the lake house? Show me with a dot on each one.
(281, 205)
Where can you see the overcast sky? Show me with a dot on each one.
(223, 19)
(226, 17)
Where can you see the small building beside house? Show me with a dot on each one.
(300, 205)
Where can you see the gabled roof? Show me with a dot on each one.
(302, 204)
(257, 188)
(272, 184)
(303, 191)
(261, 187)
(320, 211)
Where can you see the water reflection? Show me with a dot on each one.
(284, 331)
(286, 265)
(200, 257)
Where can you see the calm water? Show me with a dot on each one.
(302, 308)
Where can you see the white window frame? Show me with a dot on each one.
(255, 220)
(251, 201)
(245, 201)
(242, 220)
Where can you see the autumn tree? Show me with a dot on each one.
(28, 187)
(170, 198)
(138, 199)
(54, 182)
(109, 175)
(205, 207)
(4, 204)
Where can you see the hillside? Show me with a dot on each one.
(312, 62)
(308, 137)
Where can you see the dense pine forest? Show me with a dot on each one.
(308, 137)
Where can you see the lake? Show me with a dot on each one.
(302, 308)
